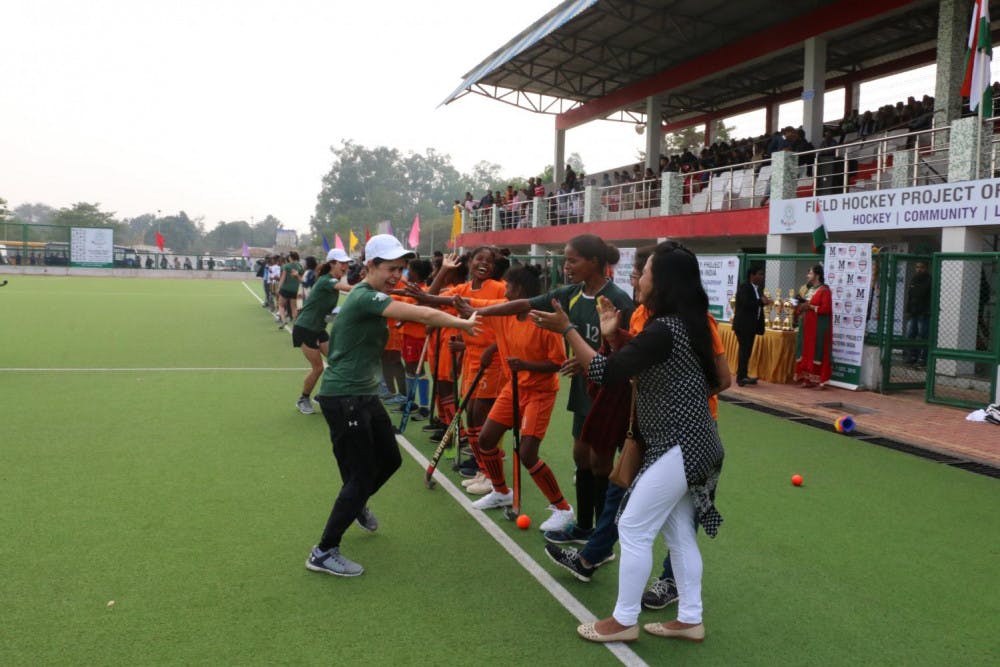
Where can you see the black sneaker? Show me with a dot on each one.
(437, 435)
(468, 469)
(367, 520)
(661, 593)
(569, 559)
(572, 535)
(433, 425)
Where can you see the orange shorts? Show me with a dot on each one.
(395, 341)
(490, 383)
(536, 409)
(412, 347)
(444, 365)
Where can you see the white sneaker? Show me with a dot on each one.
(305, 406)
(559, 521)
(480, 488)
(474, 480)
(494, 499)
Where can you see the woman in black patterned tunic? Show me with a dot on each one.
(673, 366)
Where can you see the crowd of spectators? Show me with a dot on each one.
(639, 187)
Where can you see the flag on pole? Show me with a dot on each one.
(337, 243)
(456, 225)
(160, 241)
(246, 250)
(326, 244)
(819, 231)
(977, 84)
(414, 239)
(352, 241)
(368, 234)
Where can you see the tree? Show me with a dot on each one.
(33, 214)
(694, 138)
(180, 234)
(83, 214)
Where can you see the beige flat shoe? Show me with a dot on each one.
(588, 632)
(695, 633)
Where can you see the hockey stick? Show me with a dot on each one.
(3, 284)
(452, 430)
(412, 389)
(433, 420)
(514, 510)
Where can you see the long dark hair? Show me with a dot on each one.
(817, 270)
(677, 290)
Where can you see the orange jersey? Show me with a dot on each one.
(412, 329)
(638, 322)
(444, 365)
(490, 289)
(525, 341)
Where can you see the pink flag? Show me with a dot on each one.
(246, 249)
(337, 243)
(415, 232)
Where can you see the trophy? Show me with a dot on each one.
(774, 312)
(788, 324)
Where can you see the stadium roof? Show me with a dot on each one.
(602, 58)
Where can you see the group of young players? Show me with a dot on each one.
(504, 346)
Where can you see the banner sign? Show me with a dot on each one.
(963, 204)
(623, 269)
(719, 275)
(91, 246)
(848, 271)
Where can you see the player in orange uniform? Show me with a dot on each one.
(535, 355)
(479, 349)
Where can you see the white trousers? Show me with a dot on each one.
(659, 503)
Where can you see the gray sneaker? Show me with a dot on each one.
(305, 406)
(367, 520)
(331, 562)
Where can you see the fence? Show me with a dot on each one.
(49, 246)
(964, 329)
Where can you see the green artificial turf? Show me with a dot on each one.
(191, 498)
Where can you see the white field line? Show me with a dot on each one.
(621, 651)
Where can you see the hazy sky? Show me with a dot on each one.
(227, 110)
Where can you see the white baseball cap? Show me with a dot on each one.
(386, 246)
(337, 255)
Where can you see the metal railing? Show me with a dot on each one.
(635, 199)
(737, 186)
(564, 208)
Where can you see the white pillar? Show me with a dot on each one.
(592, 210)
(654, 132)
(559, 168)
(813, 88)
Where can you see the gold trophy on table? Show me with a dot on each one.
(788, 324)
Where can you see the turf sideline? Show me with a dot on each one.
(260, 300)
(621, 651)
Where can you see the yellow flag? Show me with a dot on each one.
(352, 241)
(456, 224)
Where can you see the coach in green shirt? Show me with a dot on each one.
(364, 440)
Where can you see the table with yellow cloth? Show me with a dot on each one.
(773, 357)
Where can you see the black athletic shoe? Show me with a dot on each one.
(661, 593)
(470, 470)
(569, 559)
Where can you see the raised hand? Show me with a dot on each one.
(463, 307)
(609, 317)
(450, 262)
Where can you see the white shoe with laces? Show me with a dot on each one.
(478, 479)
(494, 499)
(560, 520)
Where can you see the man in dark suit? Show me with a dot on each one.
(748, 320)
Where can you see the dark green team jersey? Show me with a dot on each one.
(291, 283)
(322, 299)
(356, 344)
(582, 311)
